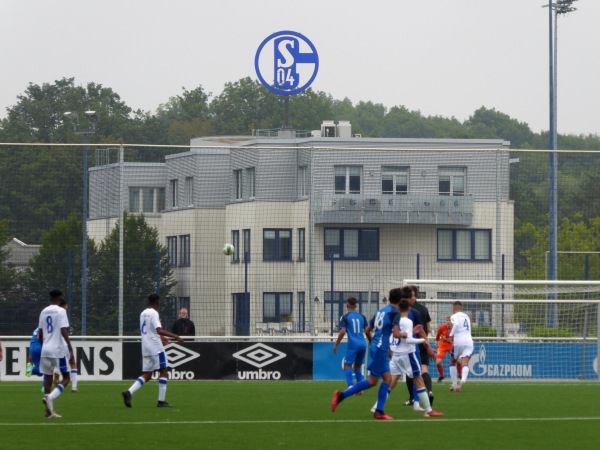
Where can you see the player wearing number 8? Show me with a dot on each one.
(54, 327)
(463, 345)
(353, 324)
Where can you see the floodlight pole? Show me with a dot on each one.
(90, 130)
(554, 9)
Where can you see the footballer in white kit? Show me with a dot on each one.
(463, 345)
(153, 353)
(56, 349)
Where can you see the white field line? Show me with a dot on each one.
(58, 422)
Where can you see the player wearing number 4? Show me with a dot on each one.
(384, 323)
(353, 324)
(463, 346)
(153, 353)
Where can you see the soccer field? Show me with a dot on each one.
(266, 415)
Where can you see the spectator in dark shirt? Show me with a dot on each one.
(183, 326)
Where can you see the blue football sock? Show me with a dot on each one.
(356, 388)
(348, 374)
(382, 395)
(359, 376)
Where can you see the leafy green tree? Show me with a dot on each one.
(7, 274)
(142, 251)
(573, 235)
(58, 265)
(491, 124)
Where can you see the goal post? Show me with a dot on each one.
(522, 329)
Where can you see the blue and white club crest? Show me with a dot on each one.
(286, 63)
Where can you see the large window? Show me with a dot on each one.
(394, 180)
(301, 244)
(452, 180)
(146, 200)
(348, 179)
(367, 306)
(238, 184)
(251, 175)
(172, 250)
(277, 244)
(302, 181)
(352, 243)
(277, 307)
(235, 241)
(174, 185)
(185, 248)
(464, 245)
(247, 244)
(189, 191)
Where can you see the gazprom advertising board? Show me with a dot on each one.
(115, 360)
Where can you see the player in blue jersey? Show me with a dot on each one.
(353, 324)
(35, 353)
(383, 324)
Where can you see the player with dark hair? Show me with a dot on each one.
(56, 349)
(463, 346)
(384, 323)
(419, 314)
(353, 324)
(153, 353)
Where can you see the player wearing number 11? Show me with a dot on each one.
(353, 324)
(463, 345)
(384, 323)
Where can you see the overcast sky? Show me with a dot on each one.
(441, 57)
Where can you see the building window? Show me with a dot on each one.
(277, 244)
(464, 245)
(301, 244)
(452, 180)
(184, 245)
(174, 194)
(277, 307)
(347, 179)
(189, 191)
(352, 243)
(235, 241)
(172, 249)
(146, 200)
(302, 181)
(251, 174)
(238, 184)
(246, 245)
(366, 306)
(394, 180)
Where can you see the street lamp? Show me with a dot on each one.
(91, 129)
(558, 7)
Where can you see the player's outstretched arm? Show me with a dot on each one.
(171, 335)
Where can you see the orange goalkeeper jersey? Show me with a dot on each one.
(443, 339)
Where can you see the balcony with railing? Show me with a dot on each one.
(385, 208)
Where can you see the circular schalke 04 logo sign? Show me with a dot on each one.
(286, 63)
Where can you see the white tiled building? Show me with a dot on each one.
(387, 209)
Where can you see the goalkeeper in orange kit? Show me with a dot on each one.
(444, 345)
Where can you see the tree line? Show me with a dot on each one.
(40, 188)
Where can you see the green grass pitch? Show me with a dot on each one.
(297, 415)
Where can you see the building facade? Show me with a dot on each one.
(314, 220)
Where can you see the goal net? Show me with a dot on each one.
(536, 329)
